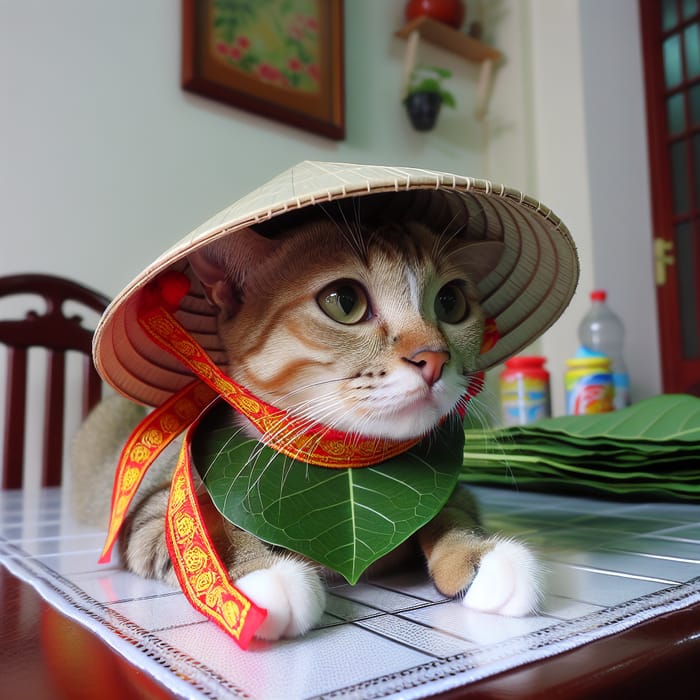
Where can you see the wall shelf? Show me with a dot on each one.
(452, 40)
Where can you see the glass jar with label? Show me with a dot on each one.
(524, 390)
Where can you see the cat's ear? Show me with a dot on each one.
(481, 257)
(222, 267)
(218, 289)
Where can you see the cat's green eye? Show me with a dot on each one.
(451, 303)
(345, 302)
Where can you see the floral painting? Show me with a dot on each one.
(276, 42)
(280, 58)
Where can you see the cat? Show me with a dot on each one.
(367, 328)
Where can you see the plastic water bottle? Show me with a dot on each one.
(601, 330)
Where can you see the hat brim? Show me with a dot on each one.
(524, 293)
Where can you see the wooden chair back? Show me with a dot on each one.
(57, 333)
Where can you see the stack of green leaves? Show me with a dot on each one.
(650, 450)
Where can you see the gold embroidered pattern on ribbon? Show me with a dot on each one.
(199, 570)
(155, 432)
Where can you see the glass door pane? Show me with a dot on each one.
(687, 271)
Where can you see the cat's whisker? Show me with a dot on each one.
(292, 429)
(222, 449)
(303, 424)
(318, 412)
(311, 385)
(483, 416)
(318, 404)
(257, 448)
(443, 239)
(282, 440)
(253, 483)
(353, 236)
(355, 227)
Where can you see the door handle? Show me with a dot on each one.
(663, 258)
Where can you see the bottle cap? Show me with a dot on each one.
(525, 361)
(599, 295)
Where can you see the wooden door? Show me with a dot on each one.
(671, 46)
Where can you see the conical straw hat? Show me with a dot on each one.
(525, 292)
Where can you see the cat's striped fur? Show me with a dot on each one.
(365, 329)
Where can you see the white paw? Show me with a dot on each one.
(507, 581)
(291, 592)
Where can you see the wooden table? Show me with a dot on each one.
(659, 659)
(34, 665)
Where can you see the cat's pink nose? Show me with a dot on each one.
(430, 363)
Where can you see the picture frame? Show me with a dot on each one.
(281, 59)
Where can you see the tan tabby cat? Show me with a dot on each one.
(370, 330)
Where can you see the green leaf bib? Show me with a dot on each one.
(344, 519)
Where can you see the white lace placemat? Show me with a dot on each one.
(609, 566)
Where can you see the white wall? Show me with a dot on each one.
(591, 168)
(560, 157)
(618, 176)
(105, 161)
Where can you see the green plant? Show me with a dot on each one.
(430, 79)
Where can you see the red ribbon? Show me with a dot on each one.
(152, 435)
(202, 576)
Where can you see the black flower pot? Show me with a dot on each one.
(423, 109)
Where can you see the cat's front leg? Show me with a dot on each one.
(288, 587)
(488, 573)
(291, 592)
